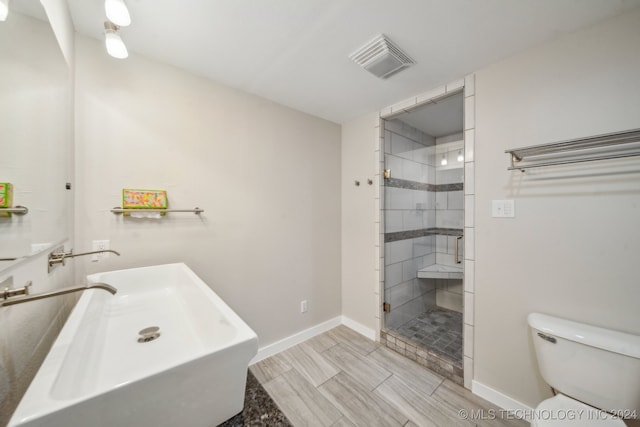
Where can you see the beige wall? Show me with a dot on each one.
(573, 247)
(359, 279)
(267, 176)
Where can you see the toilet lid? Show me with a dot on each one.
(562, 411)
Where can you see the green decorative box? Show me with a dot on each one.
(144, 199)
(6, 197)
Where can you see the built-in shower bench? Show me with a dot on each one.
(440, 271)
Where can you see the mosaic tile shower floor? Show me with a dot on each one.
(439, 330)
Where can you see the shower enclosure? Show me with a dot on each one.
(423, 215)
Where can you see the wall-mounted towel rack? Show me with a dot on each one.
(119, 210)
(18, 210)
(601, 147)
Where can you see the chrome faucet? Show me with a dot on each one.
(59, 257)
(8, 293)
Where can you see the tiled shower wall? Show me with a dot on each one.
(409, 157)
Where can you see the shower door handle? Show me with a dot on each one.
(457, 255)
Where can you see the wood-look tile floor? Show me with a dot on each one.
(341, 378)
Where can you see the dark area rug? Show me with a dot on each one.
(259, 408)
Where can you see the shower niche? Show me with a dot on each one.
(423, 216)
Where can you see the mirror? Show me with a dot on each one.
(35, 133)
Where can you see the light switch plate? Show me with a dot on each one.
(503, 208)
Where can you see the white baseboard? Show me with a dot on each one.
(501, 400)
(295, 339)
(359, 328)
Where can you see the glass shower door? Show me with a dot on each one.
(409, 214)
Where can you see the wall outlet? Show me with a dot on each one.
(99, 245)
(304, 307)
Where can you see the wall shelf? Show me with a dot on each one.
(440, 271)
(18, 210)
(601, 147)
(119, 210)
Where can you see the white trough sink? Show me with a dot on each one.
(98, 373)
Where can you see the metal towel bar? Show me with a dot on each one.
(608, 146)
(18, 210)
(119, 210)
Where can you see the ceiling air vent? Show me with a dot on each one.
(381, 57)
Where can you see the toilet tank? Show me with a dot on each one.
(597, 366)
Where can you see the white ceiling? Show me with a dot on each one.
(295, 52)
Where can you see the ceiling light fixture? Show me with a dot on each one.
(117, 12)
(113, 42)
(460, 156)
(4, 9)
(443, 162)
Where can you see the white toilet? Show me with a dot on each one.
(590, 368)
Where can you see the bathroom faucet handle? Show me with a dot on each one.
(56, 258)
(59, 257)
(63, 254)
(8, 293)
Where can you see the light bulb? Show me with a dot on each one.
(4, 9)
(443, 162)
(117, 12)
(113, 42)
(460, 156)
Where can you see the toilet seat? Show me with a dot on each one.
(562, 411)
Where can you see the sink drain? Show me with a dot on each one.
(149, 334)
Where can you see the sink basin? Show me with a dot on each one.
(107, 369)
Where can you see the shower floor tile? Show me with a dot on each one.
(437, 329)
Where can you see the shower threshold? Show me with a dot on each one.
(433, 339)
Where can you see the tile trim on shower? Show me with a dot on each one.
(469, 252)
(467, 86)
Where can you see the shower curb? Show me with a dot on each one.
(423, 356)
